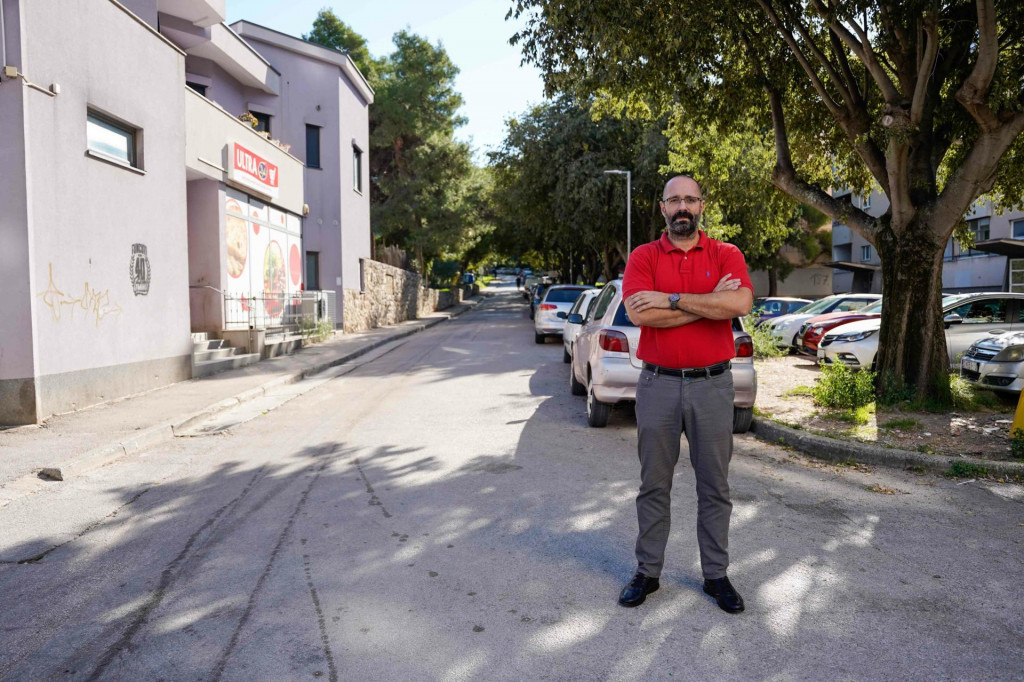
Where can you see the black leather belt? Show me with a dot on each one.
(692, 373)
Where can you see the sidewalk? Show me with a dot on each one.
(80, 441)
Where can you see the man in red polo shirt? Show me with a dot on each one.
(683, 291)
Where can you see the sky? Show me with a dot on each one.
(493, 85)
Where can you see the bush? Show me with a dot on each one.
(764, 345)
(966, 470)
(841, 388)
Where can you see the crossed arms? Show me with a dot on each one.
(726, 301)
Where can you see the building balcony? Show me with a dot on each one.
(202, 13)
(225, 48)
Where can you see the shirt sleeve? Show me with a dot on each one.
(735, 264)
(639, 275)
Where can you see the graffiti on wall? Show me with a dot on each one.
(93, 303)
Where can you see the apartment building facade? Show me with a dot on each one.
(137, 206)
(995, 263)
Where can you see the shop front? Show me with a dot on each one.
(245, 204)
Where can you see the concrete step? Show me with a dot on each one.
(208, 367)
(214, 354)
(207, 344)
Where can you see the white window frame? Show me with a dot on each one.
(865, 253)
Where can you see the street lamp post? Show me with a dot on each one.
(629, 186)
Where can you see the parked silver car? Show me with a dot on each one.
(570, 331)
(553, 308)
(996, 363)
(604, 366)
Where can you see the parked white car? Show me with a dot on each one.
(785, 329)
(996, 363)
(605, 367)
(553, 308)
(968, 318)
(570, 331)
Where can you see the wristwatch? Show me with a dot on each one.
(673, 301)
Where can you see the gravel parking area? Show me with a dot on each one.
(780, 397)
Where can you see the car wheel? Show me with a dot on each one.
(565, 355)
(597, 412)
(575, 387)
(741, 418)
(538, 338)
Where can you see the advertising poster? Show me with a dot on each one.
(263, 264)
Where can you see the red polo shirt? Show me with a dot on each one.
(660, 266)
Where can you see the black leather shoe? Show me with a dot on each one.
(729, 600)
(637, 590)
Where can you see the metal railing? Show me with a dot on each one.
(299, 312)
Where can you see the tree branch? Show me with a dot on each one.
(924, 68)
(977, 174)
(861, 47)
(841, 85)
(973, 93)
(784, 177)
(837, 112)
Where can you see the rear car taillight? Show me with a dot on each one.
(744, 347)
(548, 306)
(614, 341)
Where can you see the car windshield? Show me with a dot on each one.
(562, 295)
(817, 306)
(875, 307)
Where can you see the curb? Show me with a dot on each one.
(108, 454)
(835, 450)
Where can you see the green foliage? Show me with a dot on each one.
(799, 391)
(330, 31)
(313, 330)
(764, 344)
(966, 470)
(443, 272)
(1017, 444)
(839, 387)
(858, 415)
(425, 194)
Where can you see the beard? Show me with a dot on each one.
(683, 223)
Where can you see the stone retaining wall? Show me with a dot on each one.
(392, 295)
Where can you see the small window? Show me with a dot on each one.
(866, 202)
(262, 122)
(111, 139)
(312, 146)
(312, 270)
(1017, 231)
(865, 253)
(357, 168)
(198, 87)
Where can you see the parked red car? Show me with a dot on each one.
(813, 329)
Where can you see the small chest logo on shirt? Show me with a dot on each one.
(707, 273)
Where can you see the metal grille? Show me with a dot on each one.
(980, 353)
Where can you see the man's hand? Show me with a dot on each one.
(645, 300)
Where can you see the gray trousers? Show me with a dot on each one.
(665, 405)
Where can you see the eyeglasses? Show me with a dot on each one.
(673, 202)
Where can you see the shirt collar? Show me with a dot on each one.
(668, 247)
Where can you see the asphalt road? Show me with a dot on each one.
(442, 511)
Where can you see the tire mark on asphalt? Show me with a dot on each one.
(42, 555)
(167, 577)
(332, 668)
(374, 500)
(218, 670)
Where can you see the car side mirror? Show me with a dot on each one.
(575, 318)
(952, 318)
(561, 314)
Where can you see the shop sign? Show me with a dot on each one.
(253, 171)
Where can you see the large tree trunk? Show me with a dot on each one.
(912, 340)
